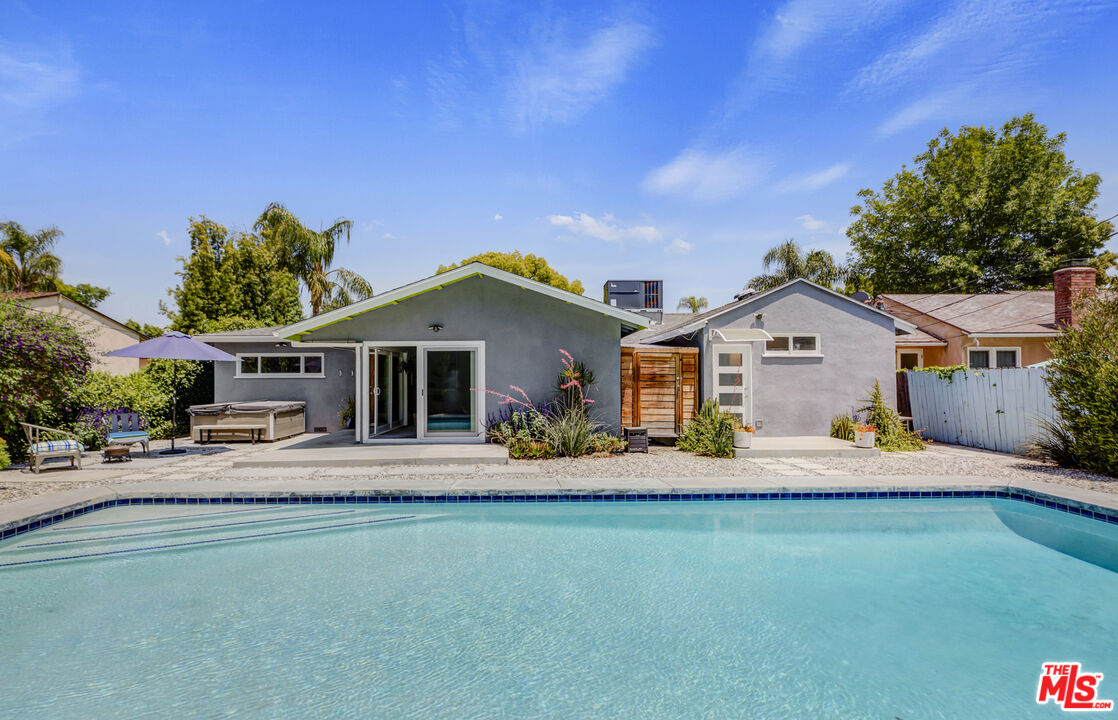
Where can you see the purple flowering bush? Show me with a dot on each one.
(44, 360)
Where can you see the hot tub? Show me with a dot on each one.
(258, 420)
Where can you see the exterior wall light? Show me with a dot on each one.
(435, 327)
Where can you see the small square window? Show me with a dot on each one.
(979, 359)
(777, 344)
(1007, 358)
(249, 365)
(312, 364)
(803, 343)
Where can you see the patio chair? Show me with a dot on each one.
(43, 446)
(128, 429)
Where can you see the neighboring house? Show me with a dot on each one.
(788, 359)
(106, 334)
(423, 362)
(996, 330)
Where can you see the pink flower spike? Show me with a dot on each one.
(566, 354)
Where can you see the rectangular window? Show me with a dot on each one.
(280, 365)
(986, 358)
(805, 344)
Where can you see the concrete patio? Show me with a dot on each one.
(802, 446)
(339, 450)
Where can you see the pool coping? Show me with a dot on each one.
(32, 513)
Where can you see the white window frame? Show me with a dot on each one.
(281, 376)
(918, 352)
(992, 355)
(817, 352)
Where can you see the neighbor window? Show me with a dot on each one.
(986, 358)
(793, 344)
(280, 365)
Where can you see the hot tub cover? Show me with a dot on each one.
(248, 407)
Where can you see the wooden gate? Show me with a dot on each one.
(659, 388)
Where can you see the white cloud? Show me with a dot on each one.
(607, 228)
(937, 106)
(27, 83)
(561, 78)
(810, 223)
(388, 236)
(704, 175)
(498, 216)
(679, 246)
(167, 239)
(814, 181)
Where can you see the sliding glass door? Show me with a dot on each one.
(450, 377)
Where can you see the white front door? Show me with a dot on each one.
(732, 374)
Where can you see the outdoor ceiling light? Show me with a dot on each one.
(435, 327)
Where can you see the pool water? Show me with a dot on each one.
(824, 609)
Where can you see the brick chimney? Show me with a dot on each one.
(1073, 280)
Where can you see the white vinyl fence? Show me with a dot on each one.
(990, 409)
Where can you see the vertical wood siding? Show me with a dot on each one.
(990, 409)
(659, 388)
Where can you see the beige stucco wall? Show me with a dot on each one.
(106, 334)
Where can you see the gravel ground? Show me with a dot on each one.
(661, 462)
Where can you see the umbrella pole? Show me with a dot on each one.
(174, 408)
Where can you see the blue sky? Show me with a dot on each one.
(674, 141)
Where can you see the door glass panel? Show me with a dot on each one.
(730, 399)
(1007, 358)
(729, 379)
(729, 359)
(451, 404)
(384, 368)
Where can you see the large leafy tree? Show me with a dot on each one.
(231, 281)
(309, 254)
(788, 261)
(86, 294)
(981, 209)
(530, 266)
(27, 262)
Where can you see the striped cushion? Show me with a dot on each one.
(133, 435)
(56, 446)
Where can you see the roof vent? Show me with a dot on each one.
(745, 293)
(861, 296)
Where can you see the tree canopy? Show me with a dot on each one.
(693, 303)
(309, 254)
(981, 209)
(787, 261)
(27, 262)
(231, 281)
(530, 266)
(86, 294)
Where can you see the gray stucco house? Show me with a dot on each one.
(421, 363)
(788, 359)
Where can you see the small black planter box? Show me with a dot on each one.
(637, 437)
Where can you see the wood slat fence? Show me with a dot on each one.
(990, 409)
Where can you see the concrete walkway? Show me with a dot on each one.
(803, 446)
(353, 455)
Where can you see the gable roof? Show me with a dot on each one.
(631, 321)
(700, 320)
(1015, 312)
(39, 294)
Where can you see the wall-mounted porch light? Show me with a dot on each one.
(435, 327)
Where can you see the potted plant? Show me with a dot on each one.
(743, 435)
(346, 416)
(864, 436)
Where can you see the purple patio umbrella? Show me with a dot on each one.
(173, 346)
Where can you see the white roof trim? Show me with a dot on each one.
(460, 273)
(898, 323)
(743, 335)
(1007, 335)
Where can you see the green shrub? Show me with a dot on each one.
(891, 434)
(1083, 381)
(604, 442)
(569, 431)
(5, 458)
(842, 427)
(104, 394)
(710, 433)
(525, 449)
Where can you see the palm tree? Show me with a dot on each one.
(308, 254)
(26, 260)
(787, 261)
(692, 303)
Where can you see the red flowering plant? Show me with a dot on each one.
(562, 427)
(865, 428)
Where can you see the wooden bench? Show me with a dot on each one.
(255, 431)
(39, 438)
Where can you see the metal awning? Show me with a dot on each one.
(747, 335)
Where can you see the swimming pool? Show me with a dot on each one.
(822, 609)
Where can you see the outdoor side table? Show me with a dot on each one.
(117, 453)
